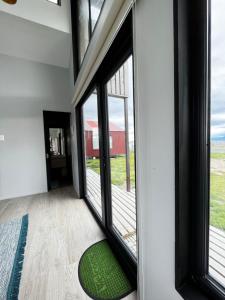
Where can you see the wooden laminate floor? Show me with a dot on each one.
(61, 228)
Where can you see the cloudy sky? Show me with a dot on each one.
(218, 69)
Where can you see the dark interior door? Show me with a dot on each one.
(58, 149)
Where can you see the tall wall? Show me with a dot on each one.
(154, 83)
(26, 89)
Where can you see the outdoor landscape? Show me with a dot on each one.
(217, 185)
(118, 169)
(217, 179)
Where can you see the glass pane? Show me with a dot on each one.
(54, 1)
(92, 155)
(122, 154)
(217, 161)
(96, 6)
(83, 25)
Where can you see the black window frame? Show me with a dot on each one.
(118, 53)
(75, 28)
(192, 150)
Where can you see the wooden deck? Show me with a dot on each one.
(123, 208)
(124, 220)
(217, 254)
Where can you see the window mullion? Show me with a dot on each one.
(104, 146)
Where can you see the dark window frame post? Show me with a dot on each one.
(192, 150)
(75, 45)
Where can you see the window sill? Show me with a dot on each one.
(190, 291)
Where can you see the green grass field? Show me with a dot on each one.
(218, 155)
(217, 185)
(217, 195)
(118, 169)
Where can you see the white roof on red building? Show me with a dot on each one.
(91, 125)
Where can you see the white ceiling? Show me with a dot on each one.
(29, 40)
(41, 12)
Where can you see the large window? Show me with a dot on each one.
(85, 14)
(83, 25)
(200, 149)
(120, 154)
(217, 144)
(107, 143)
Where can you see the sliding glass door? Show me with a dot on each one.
(106, 143)
(110, 114)
(122, 154)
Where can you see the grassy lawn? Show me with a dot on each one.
(118, 169)
(218, 155)
(217, 196)
(217, 203)
(217, 191)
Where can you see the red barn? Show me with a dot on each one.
(116, 138)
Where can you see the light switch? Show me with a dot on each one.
(2, 138)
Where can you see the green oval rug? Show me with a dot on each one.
(101, 275)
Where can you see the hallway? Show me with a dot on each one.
(61, 228)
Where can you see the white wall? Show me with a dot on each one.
(26, 89)
(31, 41)
(42, 12)
(155, 148)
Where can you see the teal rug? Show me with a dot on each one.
(13, 236)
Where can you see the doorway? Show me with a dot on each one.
(58, 149)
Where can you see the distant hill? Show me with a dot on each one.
(218, 138)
